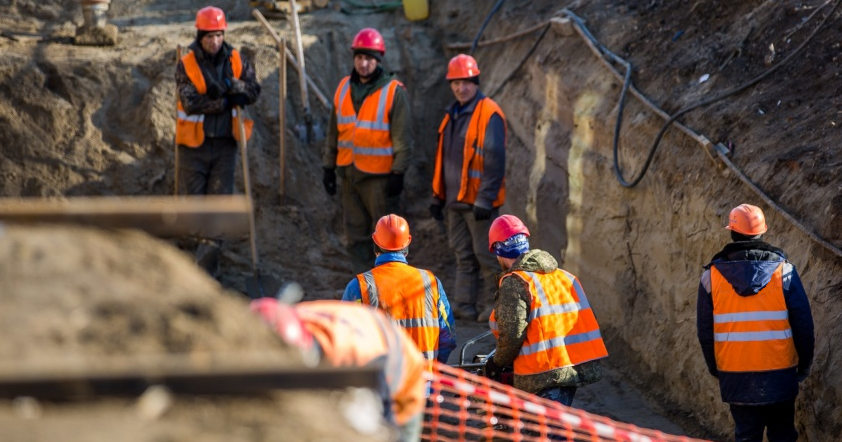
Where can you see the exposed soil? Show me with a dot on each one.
(100, 121)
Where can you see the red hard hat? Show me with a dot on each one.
(392, 233)
(462, 66)
(370, 39)
(503, 228)
(210, 18)
(747, 220)
(284, 321)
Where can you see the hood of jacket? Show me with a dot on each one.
(748, 265)
(535, 260)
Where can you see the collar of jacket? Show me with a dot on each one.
(535, 260)
(455, 109)
(390, 257)
(754, 250)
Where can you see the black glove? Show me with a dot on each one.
(481, 214)
(329, 180)
(394, 186)
(436, 211)
(215, 91)
(238, 100)
(491, 369)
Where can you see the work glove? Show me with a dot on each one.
(234, 86)
(492, 370)
(481, 214)
(394, 186)
(215, 91)
(436, 211)
(329, 180)
(238, 100)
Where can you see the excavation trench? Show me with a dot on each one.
(99, 121)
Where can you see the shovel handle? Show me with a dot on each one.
(299, 46)
(241, 127)
(178, 51)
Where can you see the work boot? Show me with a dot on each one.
(485, 315)
(464, 311)
(207, 256)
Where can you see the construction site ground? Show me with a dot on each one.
(80, 121)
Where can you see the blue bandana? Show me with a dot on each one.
(512, 247)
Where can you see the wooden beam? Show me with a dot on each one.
(163, 216)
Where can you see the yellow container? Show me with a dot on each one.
(416, 9)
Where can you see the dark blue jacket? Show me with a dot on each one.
(748, 266)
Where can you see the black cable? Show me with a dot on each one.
(522, 61)
(684, 111)
(484, 24)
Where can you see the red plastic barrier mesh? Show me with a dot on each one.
(466, 407)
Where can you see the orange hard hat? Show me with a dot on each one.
(503, 228)
(747, 220)
(210, 18)
(392, 233)
(370, 39)
(462, 66)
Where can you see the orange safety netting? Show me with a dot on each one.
(466, 407)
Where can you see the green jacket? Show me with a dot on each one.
(399, 118)
(512, 307)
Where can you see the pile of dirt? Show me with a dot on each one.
(79, 300)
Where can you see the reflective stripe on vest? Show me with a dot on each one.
(190, 129)
(751, 333)
(365, 139)
(410, 296)
(562, 330)
(472, 157)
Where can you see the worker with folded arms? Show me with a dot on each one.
(468, 185)
(543, 321)
(413, 297)
(369, 144)
(755, 327)
(211, 80)
(345, 334)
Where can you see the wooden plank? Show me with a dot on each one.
(255, 380)
(163, 216)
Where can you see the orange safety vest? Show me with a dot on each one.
(751, 333)
(365, 138)
(411, 297)
(472, 163)
(351, 334)
(562, 330)
(190, 129)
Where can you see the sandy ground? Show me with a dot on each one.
(99, 121)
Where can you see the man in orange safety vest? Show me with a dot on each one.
(542, 319)
(755, 327)
(348, 334)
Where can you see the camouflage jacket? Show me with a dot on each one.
(195, 103)
(512, 307)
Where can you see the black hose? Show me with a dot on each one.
(522, 61)
(484, 24)
(684, 111)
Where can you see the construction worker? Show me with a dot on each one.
(542, 319)
(468, 185)
(369, 142)
(756, 329)
(413, 297)
(346, 334)
(211, 80)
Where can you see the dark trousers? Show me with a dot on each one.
(777, 419)
(209, 168)
(476, 267)
(363, 204)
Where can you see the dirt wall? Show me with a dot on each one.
(639, 252)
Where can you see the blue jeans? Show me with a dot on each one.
(562, 395)
(777, 419)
